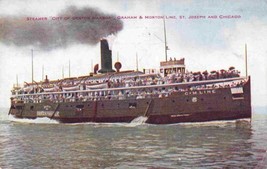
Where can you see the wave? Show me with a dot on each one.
(246, 122)
(43, 120)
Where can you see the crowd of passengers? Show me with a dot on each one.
(136, 81)
(198, 76)
(175, 78)
(122, 94)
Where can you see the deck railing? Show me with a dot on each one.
(135, 92)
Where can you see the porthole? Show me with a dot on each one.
(132, 105)
(80, 106)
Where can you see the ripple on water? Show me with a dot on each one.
(91, 145)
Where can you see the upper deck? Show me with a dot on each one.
(134, 92)
(180, 62)
(172, 66)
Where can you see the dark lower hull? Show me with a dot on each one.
(160, 119)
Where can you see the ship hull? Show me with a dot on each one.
(179, 107)
(165, 119)
(153, 119)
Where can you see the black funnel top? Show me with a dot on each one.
(106, 58)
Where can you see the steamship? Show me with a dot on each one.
(170, 95)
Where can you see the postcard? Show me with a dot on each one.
(143, 63)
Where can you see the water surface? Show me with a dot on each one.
(47, 144)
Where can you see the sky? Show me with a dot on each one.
(206, 44)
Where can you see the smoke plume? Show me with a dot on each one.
(76, 26)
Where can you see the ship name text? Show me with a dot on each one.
(199, 92)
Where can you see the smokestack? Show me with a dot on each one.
(106, 57)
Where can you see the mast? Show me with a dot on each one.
(136, 57)
(69, 68)
(92, 66)
(32, 64)
(117, 56)
(17, 80)
(62, 72)
(42, 72)
(246, 60)
(165, 40)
